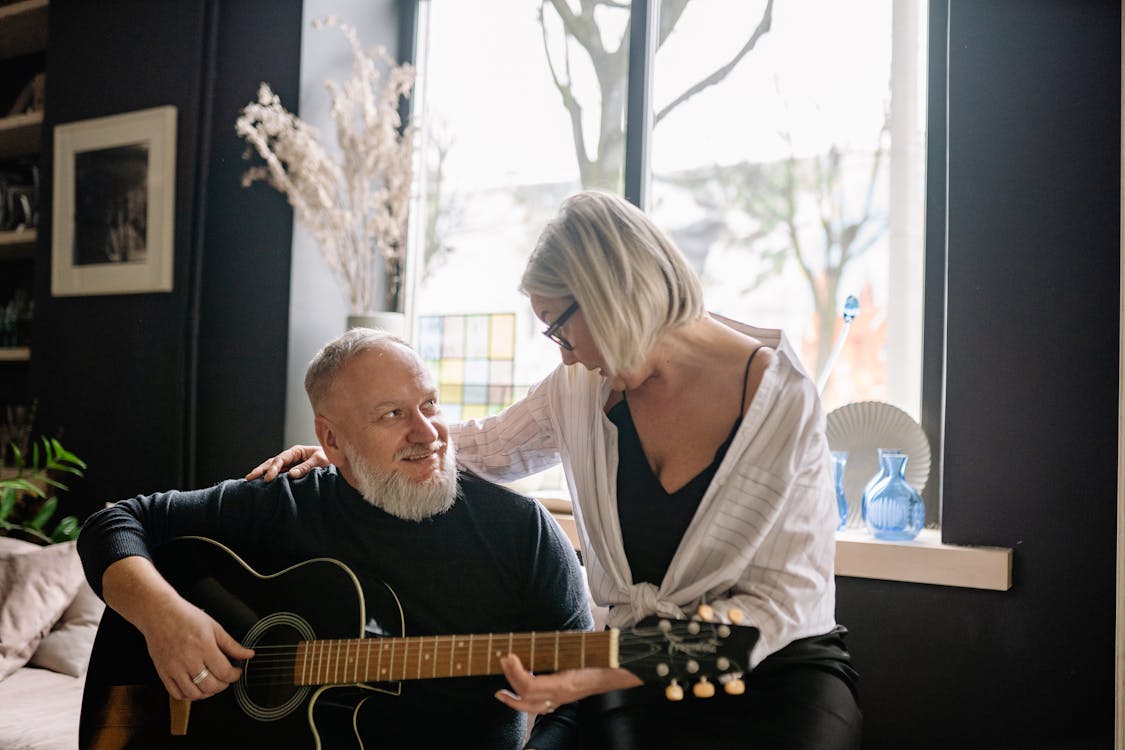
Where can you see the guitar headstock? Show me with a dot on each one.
(699, 651)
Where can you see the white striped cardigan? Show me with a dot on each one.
(763, 538)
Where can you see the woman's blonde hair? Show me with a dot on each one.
(630, 281)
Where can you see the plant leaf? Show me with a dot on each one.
(44, 514)
(66, 530)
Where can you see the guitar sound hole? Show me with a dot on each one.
(266, 691)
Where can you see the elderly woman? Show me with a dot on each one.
(694, 447)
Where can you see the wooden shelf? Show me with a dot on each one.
(23, 28)
(19, 134)
(15, 354)
(18, 245)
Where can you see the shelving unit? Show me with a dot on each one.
(23, 31)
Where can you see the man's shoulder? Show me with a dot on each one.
(477, 491)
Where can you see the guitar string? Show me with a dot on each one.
(282, 669)
(283, 658)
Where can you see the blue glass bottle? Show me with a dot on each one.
(893, 510)
(839, 461)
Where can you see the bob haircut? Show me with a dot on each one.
(332, 357)
(630, 281)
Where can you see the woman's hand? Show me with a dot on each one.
(307, 458)
(542, 694)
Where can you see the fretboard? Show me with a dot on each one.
(331, 662)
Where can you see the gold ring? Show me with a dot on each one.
(200, 677)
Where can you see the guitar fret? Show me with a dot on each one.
(531, 659)
(437, 640)
(392, 672)
(488, 664)
(367, 662)
(556, 651)
(379, 666)
(320, 668)
(451, 649)
(469, 661)
(421, 643)
(582, 640)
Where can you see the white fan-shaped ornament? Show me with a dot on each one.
(861, 429)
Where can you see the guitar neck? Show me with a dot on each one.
(327, 662)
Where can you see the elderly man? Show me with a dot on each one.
(457, 554)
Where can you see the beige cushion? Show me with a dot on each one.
(36, 587)
(67, 647)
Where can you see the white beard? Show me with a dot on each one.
(404, 498)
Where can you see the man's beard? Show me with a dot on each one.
(403, 497)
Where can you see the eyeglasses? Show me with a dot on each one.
(552, 331)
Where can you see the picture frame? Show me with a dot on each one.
(114, 204)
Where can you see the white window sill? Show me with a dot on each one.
(924, 560)
(859, 555)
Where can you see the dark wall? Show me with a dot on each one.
(174, 389)
(1034, 91)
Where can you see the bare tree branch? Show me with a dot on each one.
(573, 106)
(670, 12)
(721, 73)
(583, 28)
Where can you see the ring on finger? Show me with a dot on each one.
(548, 707)
(200, 677)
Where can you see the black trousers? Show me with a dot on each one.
(799, 698)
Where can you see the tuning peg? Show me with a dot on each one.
(735, 615)
(703, 688)
(734, 687)
(674, 692)
(705, 612)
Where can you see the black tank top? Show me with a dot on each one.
(653, 521)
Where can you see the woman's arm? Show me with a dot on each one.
(513, 444)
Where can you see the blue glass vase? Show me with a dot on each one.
(839, 461)
(893, 510)
(879, 476)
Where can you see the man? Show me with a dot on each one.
(461, 555)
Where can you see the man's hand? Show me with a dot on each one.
(307, 458)
(191, 652)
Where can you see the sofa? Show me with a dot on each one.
(48, 619)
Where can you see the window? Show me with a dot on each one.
(787, 155)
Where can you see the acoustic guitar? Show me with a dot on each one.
(347, 649)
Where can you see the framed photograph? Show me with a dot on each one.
(114, 202)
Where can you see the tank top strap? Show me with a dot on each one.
(746, 379)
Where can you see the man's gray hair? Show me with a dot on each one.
(632, 283)
(332, 357)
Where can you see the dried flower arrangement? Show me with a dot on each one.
(355, 203)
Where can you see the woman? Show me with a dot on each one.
(695, 450)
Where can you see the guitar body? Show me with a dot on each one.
(125, 705)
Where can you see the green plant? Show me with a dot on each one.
(24, 496)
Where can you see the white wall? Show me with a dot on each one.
(317, 305)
